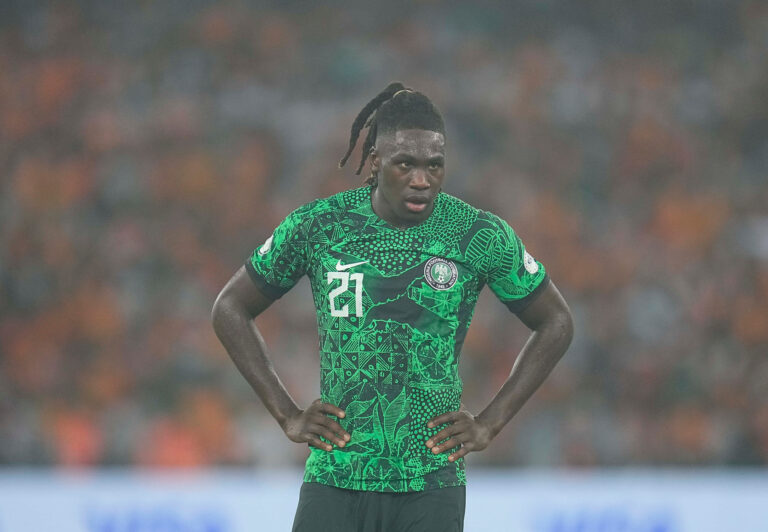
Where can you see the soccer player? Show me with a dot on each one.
(396, 268)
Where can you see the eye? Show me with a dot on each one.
(404, 164)
(435, 165)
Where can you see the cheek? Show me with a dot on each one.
(438, 175)
(394, 171)
(394, 178)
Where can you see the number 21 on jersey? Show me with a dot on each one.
(344, 279)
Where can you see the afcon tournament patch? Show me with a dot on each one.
(531, 266)
(441, 274)
(266, 247)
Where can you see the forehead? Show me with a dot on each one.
(414, 142)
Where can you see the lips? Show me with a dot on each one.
(416, 204)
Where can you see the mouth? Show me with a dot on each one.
(416, 204)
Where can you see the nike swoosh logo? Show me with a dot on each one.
(341, 267)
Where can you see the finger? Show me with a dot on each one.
(314, 441)
(446, 446)
(448, 417)
(459, 454)
(329, 423)
(447, 432)
(328, 408)
(327, 433)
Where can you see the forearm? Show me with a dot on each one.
(245, 345)
(536, 360)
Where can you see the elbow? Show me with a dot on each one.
(564, 327)
(228, 311)
(558, 327)
(220, 309)
(215, 309)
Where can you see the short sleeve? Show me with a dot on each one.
(512, 273)
(281, 261)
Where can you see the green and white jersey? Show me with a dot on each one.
(393, 309)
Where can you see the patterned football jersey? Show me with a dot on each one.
(393, 308)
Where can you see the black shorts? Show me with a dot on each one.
(328, 509)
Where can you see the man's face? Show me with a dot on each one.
(411, 167)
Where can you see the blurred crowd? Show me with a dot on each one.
(147, 147)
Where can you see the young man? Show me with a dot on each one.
(396, 268)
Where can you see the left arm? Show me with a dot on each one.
(551, 324)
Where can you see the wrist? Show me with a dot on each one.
(492, 425)
(284, 418)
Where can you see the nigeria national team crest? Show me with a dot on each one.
(441, 274)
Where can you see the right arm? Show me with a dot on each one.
(238, 303)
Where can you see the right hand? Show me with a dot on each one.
(309, 424)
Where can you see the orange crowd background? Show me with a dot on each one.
(147, 147)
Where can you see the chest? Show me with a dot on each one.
(391, 275)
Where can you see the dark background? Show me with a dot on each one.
(147, 147)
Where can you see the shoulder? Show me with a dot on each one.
(480, 220)
(490, 242)
(335, 206)
(489, 220)
(471, 224)
(452, 204)
(455, 213)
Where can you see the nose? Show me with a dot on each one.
(419, 180)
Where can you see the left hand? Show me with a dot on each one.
(465, 430)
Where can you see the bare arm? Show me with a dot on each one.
(550, 320)
(238, 303)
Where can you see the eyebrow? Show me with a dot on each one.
(430, 158)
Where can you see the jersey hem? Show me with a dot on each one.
(355, 484)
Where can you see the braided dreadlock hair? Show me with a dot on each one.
(395, 108)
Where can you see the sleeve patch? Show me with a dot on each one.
(266, 246)
(531, 266)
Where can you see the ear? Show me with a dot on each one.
(375, 160)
